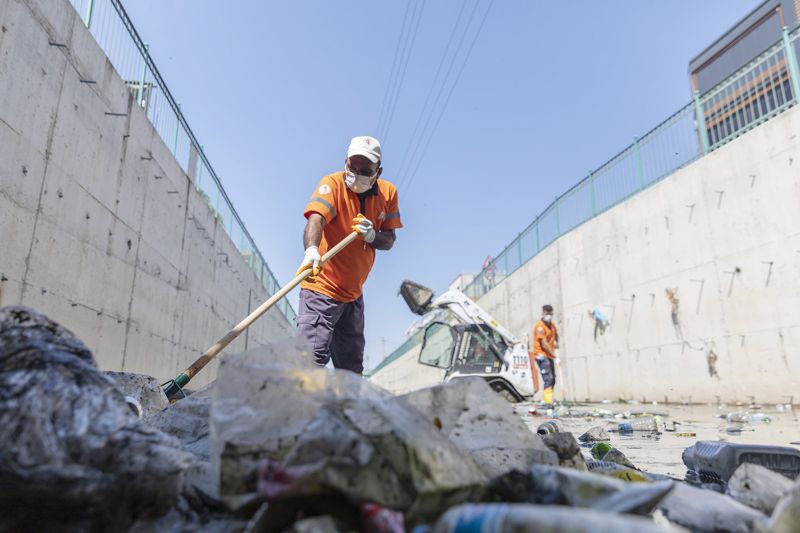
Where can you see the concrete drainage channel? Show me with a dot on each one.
(277, 445)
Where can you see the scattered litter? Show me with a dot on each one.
(689, 434)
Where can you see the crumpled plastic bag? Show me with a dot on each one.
(73, 453)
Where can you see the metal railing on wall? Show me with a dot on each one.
(764, 87)
(129, 54)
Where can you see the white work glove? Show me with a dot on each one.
(363, 226)
(311, 261)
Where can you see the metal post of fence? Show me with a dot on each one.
(536, 224)
(177, 125)
(519, 248)
(200, 172)
(558, 220)
(591, 187)
(792, 60)
(638, 162)
(700, 118)
(87, 19)
(144, 73)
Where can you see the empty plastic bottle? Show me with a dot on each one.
(739, 417)
(761, 418)
(551, 426)
(639, 424)
(716, 461)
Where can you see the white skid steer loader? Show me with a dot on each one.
(465, 341)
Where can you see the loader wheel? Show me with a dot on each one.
(507, 396)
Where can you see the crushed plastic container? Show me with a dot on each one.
(716, 461)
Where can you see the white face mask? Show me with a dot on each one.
(547, 318)
(358, 183)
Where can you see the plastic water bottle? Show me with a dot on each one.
(738, 417)
(760, 418)
(639, 424)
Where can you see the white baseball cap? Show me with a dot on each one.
(367, 146)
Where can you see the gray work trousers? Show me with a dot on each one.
(333, 330)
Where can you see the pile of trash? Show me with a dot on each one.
(279, 445)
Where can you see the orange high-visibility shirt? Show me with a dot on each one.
(544, 333)
(343, 276)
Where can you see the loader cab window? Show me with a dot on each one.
(479, 351)
(438, 345)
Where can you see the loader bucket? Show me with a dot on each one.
(417, 297)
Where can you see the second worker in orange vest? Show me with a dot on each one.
(331, 312)
(545, 343)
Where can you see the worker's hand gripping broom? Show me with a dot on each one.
(174, 387)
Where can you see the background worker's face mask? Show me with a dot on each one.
(547, 318)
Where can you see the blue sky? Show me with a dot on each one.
(275, 90)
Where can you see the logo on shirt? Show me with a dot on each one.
(381, 216)
(541, 329)
(324, 189)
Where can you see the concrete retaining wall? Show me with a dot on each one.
(101, 228)
(722, 238)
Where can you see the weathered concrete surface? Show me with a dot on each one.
(101, 228)
(697, 275)
(483, 424)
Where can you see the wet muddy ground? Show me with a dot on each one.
(661, 453)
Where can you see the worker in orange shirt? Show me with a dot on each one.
(331, 312)
(545, 351)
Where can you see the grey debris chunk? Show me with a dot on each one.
(758, 487)
(707, 511)
(567, 449)
(786, 515)
(143, 388)
(595, 434)
(478, 421)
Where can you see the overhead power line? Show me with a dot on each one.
(415, 140)
(400, 40)
(447, 100)
(402, 72)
